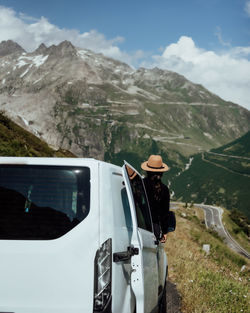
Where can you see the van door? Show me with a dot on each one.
(144, 276)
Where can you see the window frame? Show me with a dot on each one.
(148, 224)
(79, 216)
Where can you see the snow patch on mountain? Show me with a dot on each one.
(38, 80)
(149, 112)
(36, 60)
(26, 71)
(84, 54)
(208, 135)
(24, 120)
(189, 163)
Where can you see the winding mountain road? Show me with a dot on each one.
(213, 219)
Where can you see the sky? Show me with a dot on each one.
(207, 41)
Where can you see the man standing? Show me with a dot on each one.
(158, 195)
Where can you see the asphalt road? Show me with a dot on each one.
(213, 219)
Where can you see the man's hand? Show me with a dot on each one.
(164, 238)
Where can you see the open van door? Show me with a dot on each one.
(143, 250)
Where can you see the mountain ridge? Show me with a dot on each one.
(96, 106)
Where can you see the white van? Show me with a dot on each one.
(76, 237)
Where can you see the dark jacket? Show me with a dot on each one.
(159, 204)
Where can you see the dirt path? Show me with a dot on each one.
(173, 299)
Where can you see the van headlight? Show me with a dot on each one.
(102, 279)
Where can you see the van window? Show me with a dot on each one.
(42, 202)
(140, 200)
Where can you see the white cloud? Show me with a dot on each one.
(30, 32)
(247, 8)
(218, 33)
(226, 73)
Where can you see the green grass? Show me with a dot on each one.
(207, 283)
(219, 252)
(223, 295)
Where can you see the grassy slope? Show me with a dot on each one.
(235, 231)
(211, 283)
(206, 182)
(220, 179)
(240, 146)
(15, 141)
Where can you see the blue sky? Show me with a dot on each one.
(145, 24)
(208, 41)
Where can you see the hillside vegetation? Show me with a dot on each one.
(220, 177)
(240, 147)
(217, 282)
(238, 225)
(15, 141)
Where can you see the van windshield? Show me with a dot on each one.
(42, 202)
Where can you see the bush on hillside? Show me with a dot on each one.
(241, 220)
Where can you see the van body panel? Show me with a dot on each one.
(47, 276)
(150, 267)
(51, 275)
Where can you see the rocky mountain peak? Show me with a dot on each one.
(41, 49)
(66, 45)
(64, 49)
(9, 47)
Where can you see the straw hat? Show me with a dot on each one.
(131, 172)
(154, 164)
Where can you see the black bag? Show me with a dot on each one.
(171, 222)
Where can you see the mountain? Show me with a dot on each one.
(220, 176)
(9, 47)
(15, 141)
(99, 107)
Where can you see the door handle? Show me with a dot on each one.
(125, 255)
